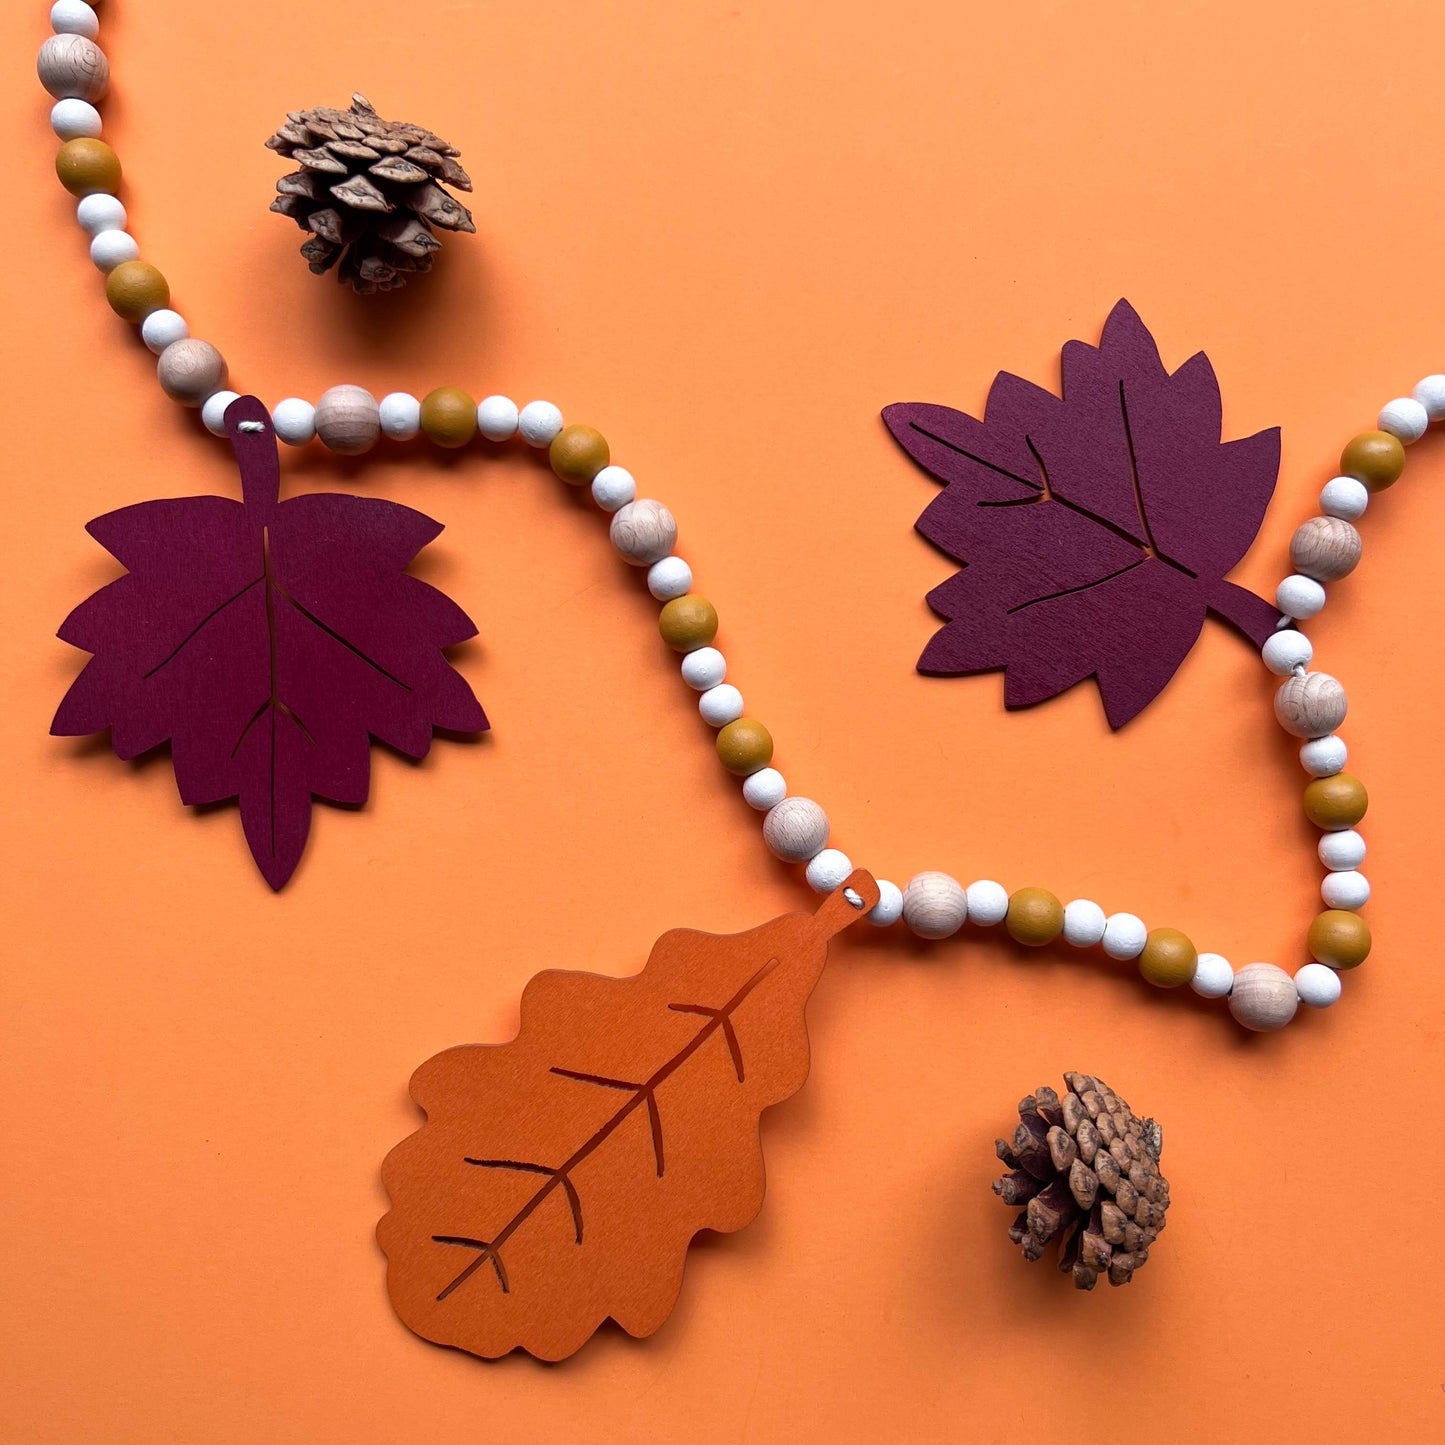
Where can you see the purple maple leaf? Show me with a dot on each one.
(267, 641)
(1095, 528)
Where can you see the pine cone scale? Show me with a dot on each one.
(369, 192)
(1086, 1170)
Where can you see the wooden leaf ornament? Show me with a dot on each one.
(1095, 528)
(560, 1178)
(267, 641)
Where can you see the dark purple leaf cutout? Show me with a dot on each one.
(267, 641)
(1095, 528)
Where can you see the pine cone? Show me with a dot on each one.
(368, 192)
(1088, 1172)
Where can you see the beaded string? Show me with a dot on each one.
(349, 421)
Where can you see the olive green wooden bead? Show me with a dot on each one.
(744, 746)
(1168, 958)
(687, 623)
(578, 453)
(86, 166)
(135, 289)
(1336, 802)
(1034, 917)
(1375, 458)
(449, 416)
(1339, 938)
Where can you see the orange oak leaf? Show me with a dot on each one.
(560, 1177)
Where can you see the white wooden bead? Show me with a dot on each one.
(189, 371)
(162, 328)
(1430, 393)
(100, 212)
(987, 902)
(1344, 497)
(1084, 923)
(1213, 976)
(539, 422)
(1300, 597)
(73, 119)
(934, 905)
(764, 789)
(74, 17)
(1405, 418)
(889, 908)
(829, 870)
(669, 578)
(497, 418)
(1325, 549)
(294, 420)
(613, 487)
(110, 248)
(796, 830)
(643, 532)
(1124, 935)
(213, 411)
(1341, 851)
(1317, 985)
(73, 67)
(399, 415)
(348, 420)
(1287, 649)
(1263, 997)
(1311, 705)
(704, 668)
(1324, 757)
(720, 705)
(1346, 889)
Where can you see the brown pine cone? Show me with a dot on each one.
(369, 192)
(1088, 1173)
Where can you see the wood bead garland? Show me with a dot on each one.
(448, 416)
(135, 289)
(1310, 706)
(348, 420)
(1263, 998)
(796, 830)
(190, 371)
(1325, 548)
(73, 67)
(87, 166)
(934, 905)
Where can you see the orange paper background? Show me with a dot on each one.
(728, 234)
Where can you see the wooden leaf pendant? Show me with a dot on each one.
(560, 1178)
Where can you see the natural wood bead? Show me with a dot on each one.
(1336, 802)
(1325, 548)
(1339, 938)
(1310, 706)
(1263, 997)
(644, 533)
(1034, 917)
(796, 830)
(1375, 458)
(449, 416)
(687, 623)
(348, 420)
(744, 747)
(578, 453)
(87, 166)
(1168, 959)
(135, 289)
(190, 371)
(934, 905)
(73, 67)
